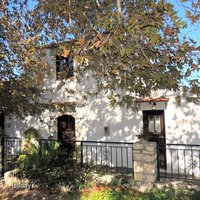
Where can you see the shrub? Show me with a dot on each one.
(31, 133)
(43, 165)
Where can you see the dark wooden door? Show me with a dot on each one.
(66, 127)
(154, 124)
(66, 132)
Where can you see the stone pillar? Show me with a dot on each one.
(145, 162)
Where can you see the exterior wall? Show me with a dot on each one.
(89, 123)
(182, 123)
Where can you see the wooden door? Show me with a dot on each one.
(66, 127)
(66, 130)
(154, 124)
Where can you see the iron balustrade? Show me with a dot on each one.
(108, 156)
(11, 147)
(182, 161)
(99, 155)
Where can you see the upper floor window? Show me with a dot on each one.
(64, 67)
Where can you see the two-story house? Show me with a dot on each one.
(91, 118)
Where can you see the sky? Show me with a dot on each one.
(193, 30)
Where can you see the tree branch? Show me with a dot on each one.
(119, 6)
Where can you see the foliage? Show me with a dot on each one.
(120, 180)
(154, 194)
(107, 194)
(49, 168)
(34, 156)
(131, 47)
(144, 134)
(169, 193)
(21, 69)
(31, 133)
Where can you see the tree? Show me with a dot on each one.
(133, 47)
(21, 70)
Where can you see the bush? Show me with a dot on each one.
(31, 133)
(154, 194)
(43, 165)
(169, 193)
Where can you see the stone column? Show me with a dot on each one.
(145, 162)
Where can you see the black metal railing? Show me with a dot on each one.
(11, 147)
(178, 161)
(100, 155)
(108, 156)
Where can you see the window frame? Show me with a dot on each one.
(64, 70)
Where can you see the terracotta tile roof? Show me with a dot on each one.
(161, 99)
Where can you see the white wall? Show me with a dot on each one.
(182, 123)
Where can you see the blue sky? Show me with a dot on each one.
(193, 30)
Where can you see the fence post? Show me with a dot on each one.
(1, 157)
(81, 153)
(145, 162)
(158, 161)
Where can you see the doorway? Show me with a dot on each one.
(66, 127)
(154, 124)
(2, 122)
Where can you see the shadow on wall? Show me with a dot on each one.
(15, 126)
(122, 124)
(182, 122)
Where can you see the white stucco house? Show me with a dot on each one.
(94, 119)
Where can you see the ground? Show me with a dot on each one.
(8, 193)
(103, 192)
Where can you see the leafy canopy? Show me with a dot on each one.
(133, 47)
(21, 69)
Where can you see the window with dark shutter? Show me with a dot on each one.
(64, 67)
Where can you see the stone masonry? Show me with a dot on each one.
(145, 162)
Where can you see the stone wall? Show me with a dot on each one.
(145, 162)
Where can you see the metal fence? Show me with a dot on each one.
(181, 161)
(108, 156)
(101, 156)
(175, 161)
(11, 147)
